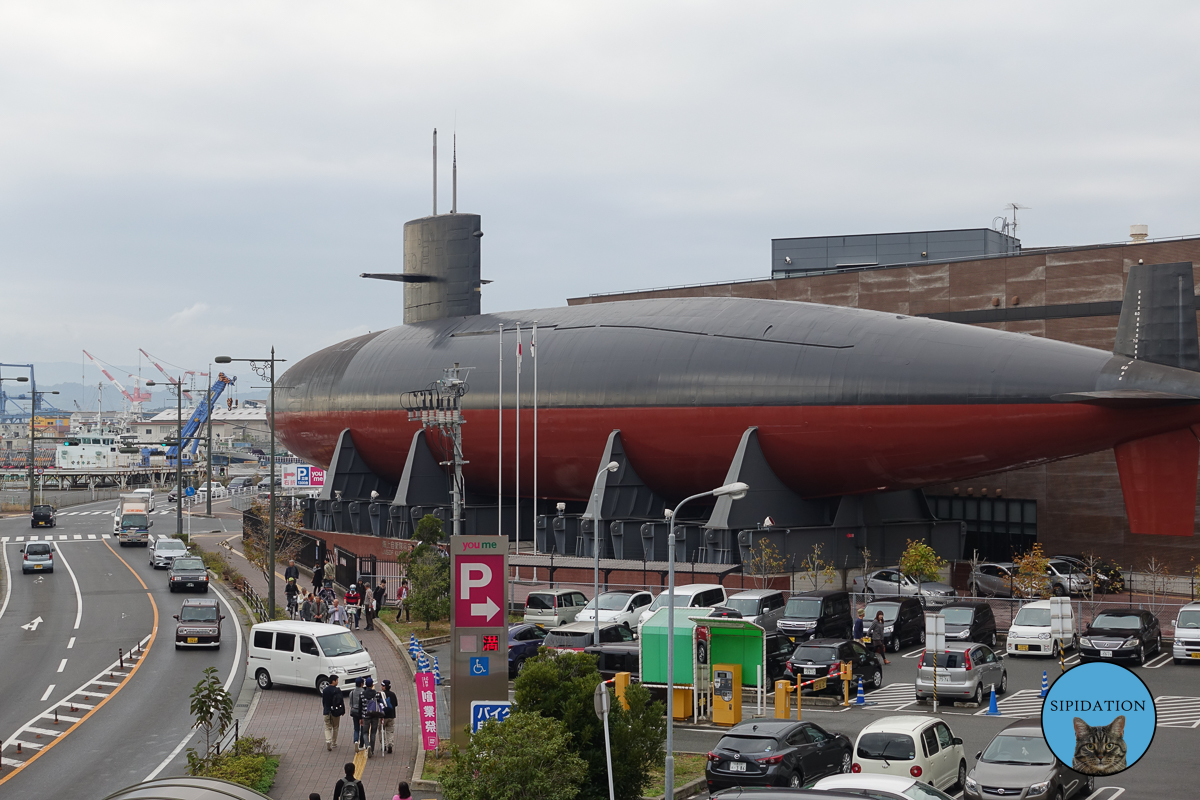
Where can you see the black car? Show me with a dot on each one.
(615, 657)
(776, 753)
(968, 621)
(43, 517)
(822, 658)
(779, 650)
(903, 621)
(1121, 634)
(817, 615)
(187, 574)
(523, 642)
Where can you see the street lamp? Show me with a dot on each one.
(609, 467)
(736, 491)
(265, 369)
(177, 385)
(32, 409)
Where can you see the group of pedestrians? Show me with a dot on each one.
(349, 787)
(372, 712)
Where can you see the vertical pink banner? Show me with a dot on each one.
(427, 709)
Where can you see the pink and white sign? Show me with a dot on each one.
(427, 710)
(479, 591)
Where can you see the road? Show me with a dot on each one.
(101, 601)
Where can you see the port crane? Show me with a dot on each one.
(200, 416)
(193, 373)
(136, 398)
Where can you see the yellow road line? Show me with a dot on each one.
(141, 660)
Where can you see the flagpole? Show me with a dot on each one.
(517, 474)
(533, 355)
(500, 446)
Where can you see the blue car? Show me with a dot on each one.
(523, 642)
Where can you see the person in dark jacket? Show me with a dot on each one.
(368, 726)
(306, 610)
(292, 572)
(858, 625)
(379, 595)
(333, 707)
(349, 780)
(356, 709)
(318, 576)
(389, 717)
(876, 634)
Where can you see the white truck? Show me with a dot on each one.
(133, 520)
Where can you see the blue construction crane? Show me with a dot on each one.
(200, 416)
(40, 404)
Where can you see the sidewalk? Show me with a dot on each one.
(290, 718)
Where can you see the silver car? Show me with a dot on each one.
(965, 671)
(763, 607)
(1067, 578)
(1019, 763)
(995, 579)
(891, 582)
(164, 551)
(37, 557)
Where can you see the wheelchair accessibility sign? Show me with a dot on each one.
(479, 665)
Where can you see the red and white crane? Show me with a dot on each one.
(136, 398)
(167, 375)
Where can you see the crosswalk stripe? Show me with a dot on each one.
(4, 539)
(11, 762)
(19, 539)
(91, 536)
(42, 731)
(80, 536)
(1177, 712)
(62, 537)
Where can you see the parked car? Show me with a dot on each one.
(306, 654)
(965, 671)
(523, 643)
(614, 657)
(1067, 578)
(553, 607)
(578, 635)
(776, 753)
(165, 550)
(970, 621)
(817, 615)
(881, 787)
(891, 582)
(763, 607)
(903, 621)
(623, 607)
(724, 612)
(690, 595)
(38, 557)
(1031, 633)
(187, 573)
(240, 482)
(1018, 763)
(43, 517)
(819, 658)
(1121, 634)
(779, 649)
(918, 746)
(1106, 576)
(1186, 644)
(199, 624)
(996, 579)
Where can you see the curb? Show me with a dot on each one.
(248, 696)
(687, 790)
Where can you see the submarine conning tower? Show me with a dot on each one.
(441, 267)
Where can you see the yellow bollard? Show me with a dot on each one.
(621, 683)
(783, 699)
(846, 673)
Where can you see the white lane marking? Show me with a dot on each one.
(62, 537)
(237, 659)
(1071, 661)
(19, 539)
(1021, 703)
(913, 654)
(34, 745)
(1102, 793)
(1157, 661)
(50, 688)
(60, 717)
(33, 624)
(4, 539)
(78, 594)
(42, 731)
(6, 576)
(61, 666)
(71, 644)
(91, 536)
(79, 536)
(11, 762)
(69, 703)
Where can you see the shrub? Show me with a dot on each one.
(527, 755)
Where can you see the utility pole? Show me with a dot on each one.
(440, 407)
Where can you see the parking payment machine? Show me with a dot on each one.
(727, 694)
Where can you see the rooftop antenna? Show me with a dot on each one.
(454, 177)
(1015, 207)
(435, 172)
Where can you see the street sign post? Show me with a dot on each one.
(482, 711)
(478, 629)
(935, 643)
(603, 703)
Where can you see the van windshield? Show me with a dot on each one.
(198, 614)
(568, 639)
(681, 600)
(540, 602)
(803, 608)
(1033, 617)
(746, 606)
(957, 616)
(1189, 619)
(339, 644)
(890, 612)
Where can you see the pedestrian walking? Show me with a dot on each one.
(318, 576)
(292, 573)
(356, 709)
(353, 605)
(388, 726)
(333, 707)
(876, 634)
(371, 703)
(337, 614)
(378, 600)
(858, 625)
(402, 792)
(320, 611)
(403, 601)
(349, 787)
(306, 612)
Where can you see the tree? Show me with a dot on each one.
(920, 561)
(1032, 579)
(428, 570)
(288, 541)
(816, 569)
(526, 755)
(764, 562)
(212, 707)
(562, 686)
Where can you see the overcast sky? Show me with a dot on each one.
(202, 178)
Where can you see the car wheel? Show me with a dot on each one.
(1141, 657)
(1059, 591)
(921, 637)
(171, 588)
(1158, 645)
(995, 639)
(1055, 649)
(1058, 795)
(894, 643)
(322, 682)
(977, 698)
(177, 647)
(520, 665)
(1089, 786)
(847, 763)
(263, 679)
(796, 781)
(1003, 687)
(869, 593)
(962, 775)
(877, 679)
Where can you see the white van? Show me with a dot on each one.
(691, 595)
(148, 496)
(1043, 627)
(305, 654)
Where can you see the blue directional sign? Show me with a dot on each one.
(190, 491)
(483, 710)
(479, 665)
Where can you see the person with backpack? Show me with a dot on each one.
(353, 606)
(333, 707)
(356, 709)
(378, 598)
(371, 703)
(349, 787)
(388, 727)
(318, 576)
